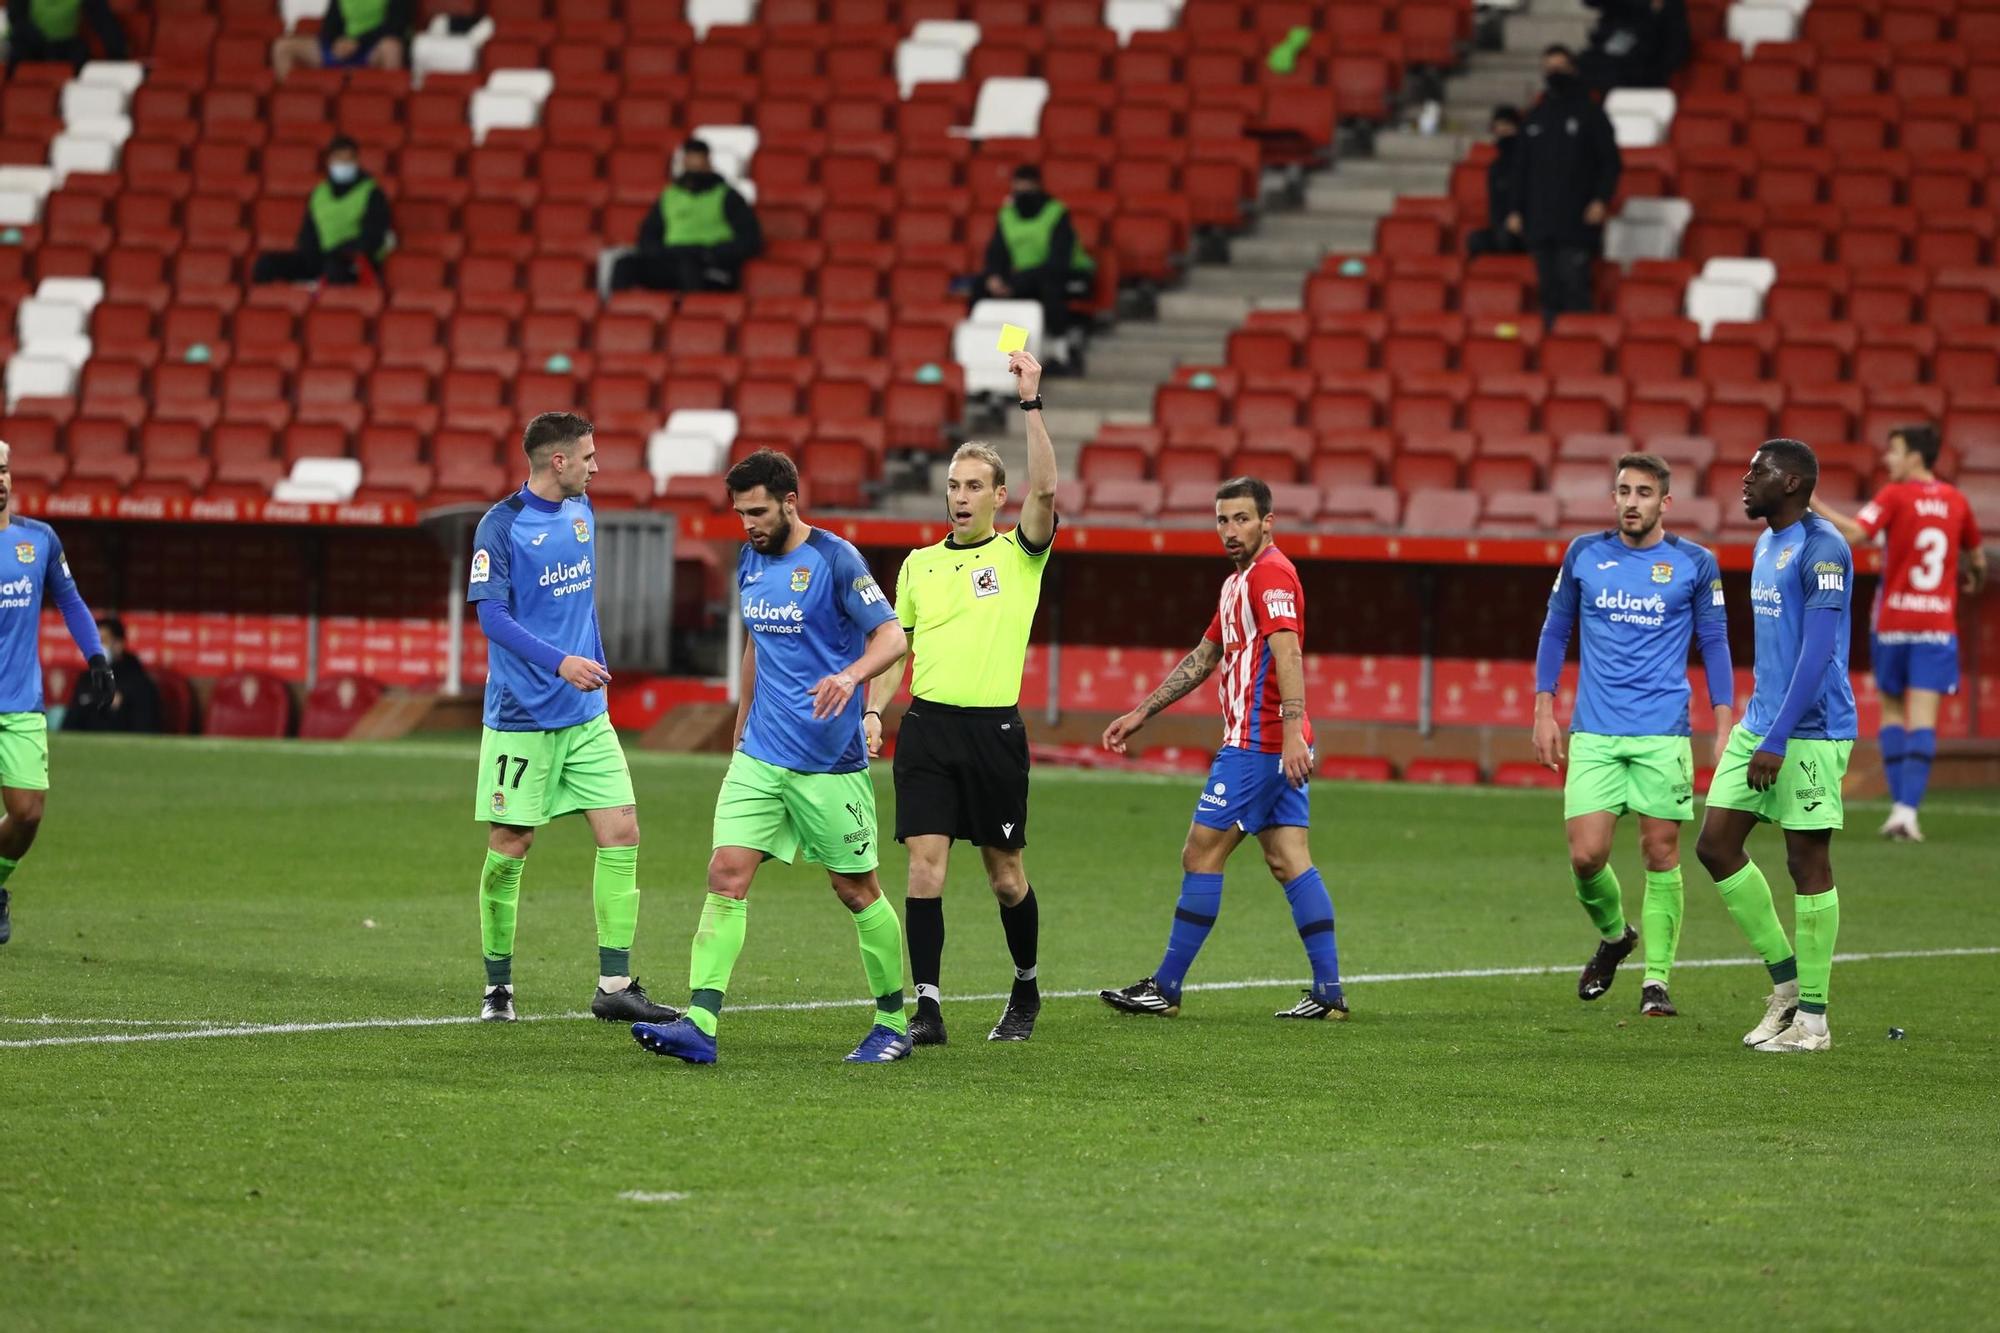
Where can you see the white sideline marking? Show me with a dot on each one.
(652, 1196)
(194, 1028)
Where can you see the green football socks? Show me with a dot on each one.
(1604, 901)
(718, 941)
(1660, 922)
(1747, 895)
(8, 865)
(1818, 918)
(614, 889)
(882, 959)
(499, 900)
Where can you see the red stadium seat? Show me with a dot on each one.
(249, 704)
(336, 706)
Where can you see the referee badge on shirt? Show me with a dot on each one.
(802, 578)
(24, 552)
(582, 529)
(985, 581)
(1663, 572)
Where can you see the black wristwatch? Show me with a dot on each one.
(1032, 404)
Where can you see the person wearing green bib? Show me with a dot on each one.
(698, 239)
(1035, 254)
(346, 226)
(53, 30)
(354, 34)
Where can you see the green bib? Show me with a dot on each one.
(337, 218)
(696, 219)
(363, 16)
(1027, 239)
(57, 20)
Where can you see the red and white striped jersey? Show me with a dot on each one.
(1256, 603)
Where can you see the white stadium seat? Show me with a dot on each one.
(1126, 17)
(36, 321)
(922, 62)
(74, 152)
(501, 111)
(320, 481)
(80, 99)
(38, 377)
(973, 342)
(1009, 108)
(1754, 24)
(1647, 229)
(125, 74)
(1758, 273)
(705, 14)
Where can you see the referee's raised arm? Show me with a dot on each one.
(1038, 507)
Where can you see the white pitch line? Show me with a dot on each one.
(652, 1196)
(795, 1006)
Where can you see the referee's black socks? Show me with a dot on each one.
(923, 926)
(1023, 924)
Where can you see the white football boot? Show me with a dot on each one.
(1798, 1038)
(1779, 1011)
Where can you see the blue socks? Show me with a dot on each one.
(1894, 748)
(1194, 917)
(1922, 748)
(1312, 913)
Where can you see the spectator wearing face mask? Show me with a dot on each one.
(1565, 177)
(1636, 43)
(698, 239)
(346, 231)
(1494, 238)
(135, 700)
(1035, 254)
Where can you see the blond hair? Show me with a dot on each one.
(982, 453)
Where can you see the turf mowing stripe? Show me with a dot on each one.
(193, 1028)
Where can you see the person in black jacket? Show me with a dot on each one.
(135, 703)
(1636, 43)
(1035, 255)
(1494, 238)
(698, 239)
(346, 225)
(52, 31)
(1565, 176)
(354, 34)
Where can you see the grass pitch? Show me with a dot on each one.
(1473, 1151)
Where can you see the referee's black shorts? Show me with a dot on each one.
(963, 773)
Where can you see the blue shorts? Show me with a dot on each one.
(1900, 667)
(359, 60)
(1247, 790)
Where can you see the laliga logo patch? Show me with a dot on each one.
(985, 581)
(24, 552)
(801, 579)
(1663, 573)
(482, 566)
(582, 529)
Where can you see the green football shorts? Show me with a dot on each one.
(527, 778)
(1806, 794)
(778, 811)
(1648, 775)
(24, 751)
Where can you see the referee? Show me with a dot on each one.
(962, 761)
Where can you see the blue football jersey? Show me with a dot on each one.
(537, 557)
(809, 615)
(32, 572)
(1636, 608)
(1803, 566)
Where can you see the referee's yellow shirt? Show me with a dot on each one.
(968, 610)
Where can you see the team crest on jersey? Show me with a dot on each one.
(499, 802)
(1785, 556)
(801, 579)
(582, 529)
(24, 552)
(1663, 572)
(985, 581)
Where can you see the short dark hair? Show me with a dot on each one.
(112, 625)
(1920, 438)
(1794, 458)
(695, 146)
(768, 468)
(1558, 49)
(1028, 171)
(1239, 488)
(1652, 463)
(342, 143)
(550, 429)
(1508, 112)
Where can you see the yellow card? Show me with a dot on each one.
(1012, 337)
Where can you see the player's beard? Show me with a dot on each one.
(1646, 528)
(780, 538)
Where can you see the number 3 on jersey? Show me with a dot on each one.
(1932, 546)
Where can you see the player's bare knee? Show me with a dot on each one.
(729, 877)
(1717, 854)
(1808, 868)
(24, 808)
(856, 894)
(1662, 852)
(511, 840)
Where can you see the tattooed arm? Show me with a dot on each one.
(1195, 668)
